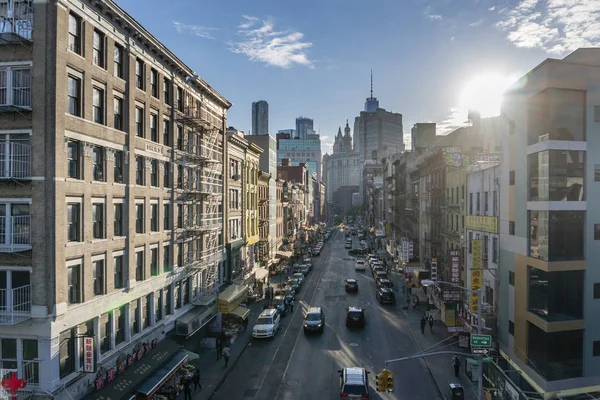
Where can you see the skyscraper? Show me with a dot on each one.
(260, 117)
(304, 127)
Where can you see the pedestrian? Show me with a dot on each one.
(219, 348)
(187, 389)
(430, 323)
(245, 323)
(196, 380)
(225, 354)
(456, 365)
(423, 323)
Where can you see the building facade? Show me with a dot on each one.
(263, 219)
(116, 149)
(251, 236)
(304, 128)
(260, 118)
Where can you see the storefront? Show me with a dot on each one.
(231, 298)
(194, 320)
(234, 315)
(165, 383)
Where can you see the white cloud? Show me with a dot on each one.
(261, 42)
(556, 26)
(492, 8)
(477, 23)
(198, 30)
(457, 117)
(433, 17)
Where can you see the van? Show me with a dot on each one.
(354, 383)
(267, 324)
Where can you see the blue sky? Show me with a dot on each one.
(313, 57)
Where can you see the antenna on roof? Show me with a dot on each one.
(371, 83)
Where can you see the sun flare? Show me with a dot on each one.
(484, 94)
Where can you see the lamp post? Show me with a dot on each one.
(427, 283)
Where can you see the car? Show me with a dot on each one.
(314, 321)
(281, 305)
(267, 324)
(377, 269)
(293, 283)
(348, 245)
(357, 252)
(351, 285)
(355, 316)
(305, 269)
(385, 295)
(385, 283)
(316, 251)
(300, 277)
(306, 260)
(359, 265)
(354, 383)
(381, 275)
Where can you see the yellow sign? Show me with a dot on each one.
(476, 249)
(476, 276)
(387, 229)
(482, 223)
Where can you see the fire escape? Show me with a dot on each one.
(201, 193)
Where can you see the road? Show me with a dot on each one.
(295, 366)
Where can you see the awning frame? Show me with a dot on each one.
(181, 360)
(241, 312)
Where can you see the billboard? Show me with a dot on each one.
(482, 223)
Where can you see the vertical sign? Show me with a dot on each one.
(476, 247)
(434, 269)
(250, 258)
(455, 266)
(410, 249)
(88, 354)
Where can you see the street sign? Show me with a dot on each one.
(481, 340)
(480, 350)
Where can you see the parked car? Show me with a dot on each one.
(294, 285)
(359, 265)
(355, 317)
(354, 383)
(351, 285)
(385, 295)
(348, 245)
(267, 324)
(385, 283)
(314, 321)
(300, 277)
(381, 275)
(357, 252)
(280, 303)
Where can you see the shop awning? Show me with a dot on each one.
(241, 312)
(190, 322)
(232, 297)
(284, 254)
(126, 383)
(154, 382)
(261, 273)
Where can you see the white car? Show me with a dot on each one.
(360, 265)
(267, 324)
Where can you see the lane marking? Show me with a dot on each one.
(262, 382)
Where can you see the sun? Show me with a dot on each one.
(484, 94)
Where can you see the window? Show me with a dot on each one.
(596, 231)
(511, 177)
(134, 318)
(478, 203)
(74, 96)
(118, 220)
(180, 255)
(98, 221)
(596, 290)
(98, 274)
(470, 242)
(167, 258)
(74, 222)
(167, 91)
(486, 202)
(511, 328)
(118, 61)
(177, 295)
(139, 170)
(556, 114)
(30, 353)
(179, 137)
(118, 167)
(154, 83)
(153, 128)
(556, 175)
(179, 98)
(158, 307)
(167, 216)
(180, 215)
(119, 318)
(105, 332)
(154, 271)
(154, 173)
(596, 346)
(98, 52)
(511, 228)
(470, 203)
(597, 172)
(139, 74)
(74, 284)
(556, 296)
(146, 310)
(511, 278)
(139, 121)
(495, 250)
(180, 177)
(154, 217)
(74, 41)
(139, 218)
(66, 352)
(98, 163)
(555, 355)
(119, 268)
(118, 113)
(98, 105)
(73, 160)
(167, 175)
(556, 235)
(166, 132)
(185, 291)
(139, 266)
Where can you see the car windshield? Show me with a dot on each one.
(298, 276)
(313, 317)
(264, 321)
(280, 302)
(355, 389)
(355, 314)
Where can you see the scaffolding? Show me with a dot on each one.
(201, 193)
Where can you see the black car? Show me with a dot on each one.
(385, 283)
(351, 285)
(355, 317)
(294, 285)
(314, 321)
(358, 252)
(381, 275)
(280, 303)
(385, 295)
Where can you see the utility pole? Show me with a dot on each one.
(480, 394)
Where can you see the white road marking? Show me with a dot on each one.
(262, 382)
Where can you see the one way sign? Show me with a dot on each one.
(480, 351)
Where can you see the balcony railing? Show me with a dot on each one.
(15, 89)
(15, 234)
(210, 221)
(15, 161)
(15, 305)
(16, 21)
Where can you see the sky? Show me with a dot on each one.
(431, 59)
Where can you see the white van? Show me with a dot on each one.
(267, 324)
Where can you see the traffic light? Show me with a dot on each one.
(381, 381)
(390, 382)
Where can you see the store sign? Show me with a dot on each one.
(451, 295)
(455, 266)
(476, 275)
(476, 249)
(482, 223)
(434, 269)
(88, 354)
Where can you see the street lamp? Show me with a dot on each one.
(426, 283)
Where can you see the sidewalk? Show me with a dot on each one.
(440, 366)
(213, 371)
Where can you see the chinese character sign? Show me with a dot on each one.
(88, 354)
(455, 266)
(476, 248)
(475, 285)
(434, 269)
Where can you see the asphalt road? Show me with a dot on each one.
(295, 366)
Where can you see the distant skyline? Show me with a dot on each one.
(430, 58)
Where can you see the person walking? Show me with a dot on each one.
(219, 348)
(456, 365)
(423, 323)
(187, 389)
(430, 320)
(225, 354)
(196, 380)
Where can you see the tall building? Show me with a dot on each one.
(307, 151)
(548, 308)
(111, 165)
(421, 134)
(260, 117)
(304, 128)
